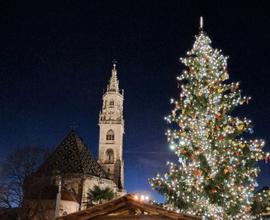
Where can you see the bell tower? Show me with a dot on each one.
(111, 130)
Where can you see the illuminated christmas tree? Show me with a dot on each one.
(217, 169)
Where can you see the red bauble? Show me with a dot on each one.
(221, 138)
(213, 190)
(197, 172)
(236, 153)
(217, 116)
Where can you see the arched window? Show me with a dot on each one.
(110, 135)
(109, 156)
(111, 103)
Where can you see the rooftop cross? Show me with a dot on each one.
(114, 63)
(74, 125)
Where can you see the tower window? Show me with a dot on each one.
(111, 104)
(109, 156)
(110, 135)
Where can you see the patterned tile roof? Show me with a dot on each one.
(72, 157)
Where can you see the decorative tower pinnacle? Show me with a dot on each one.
(114, 83)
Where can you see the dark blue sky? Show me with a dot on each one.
(55, 61)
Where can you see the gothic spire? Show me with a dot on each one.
(113, 83)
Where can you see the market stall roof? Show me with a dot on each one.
(127, 207)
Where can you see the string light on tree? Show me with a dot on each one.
(217, 170)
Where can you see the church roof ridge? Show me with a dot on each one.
(72, 157)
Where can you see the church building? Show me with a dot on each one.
(62, 182)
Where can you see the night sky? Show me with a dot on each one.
(56, 60)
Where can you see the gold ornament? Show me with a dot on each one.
(242, 145)
(228, 170)
(228, 128)
(220, 90)
(240, 126)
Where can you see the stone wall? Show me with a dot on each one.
(90, 182)
(67, 207)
